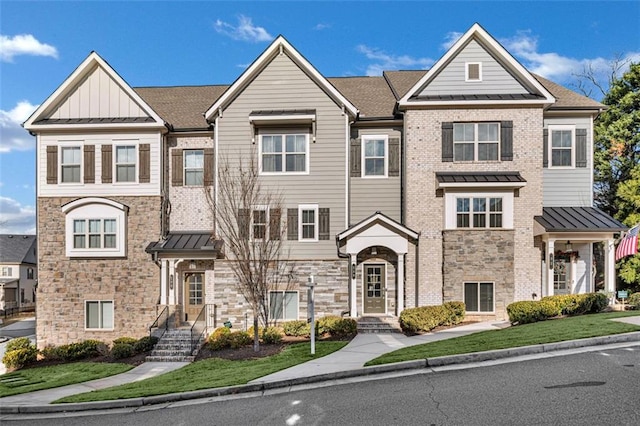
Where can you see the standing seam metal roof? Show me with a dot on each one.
(578, 219)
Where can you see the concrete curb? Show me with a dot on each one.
(365, 371)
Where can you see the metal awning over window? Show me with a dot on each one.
(484, 179)
(577, 219)
(200, 244)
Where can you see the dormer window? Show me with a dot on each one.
(473, 71)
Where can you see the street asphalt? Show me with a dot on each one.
(345, 363)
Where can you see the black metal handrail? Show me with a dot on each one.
(201, 325)
(160, 323)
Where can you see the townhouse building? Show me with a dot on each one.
(18, 272)
(471, 181)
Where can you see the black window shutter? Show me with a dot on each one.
(176, 167)
(325, 225)
(581, 147)
(292, 224)
(208, 166)
(274, 224)
(394, 156)
(447, 141)
(355, 158)
(244, 221)
(545, 148)
(506, 141)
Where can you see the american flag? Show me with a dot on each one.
(629, 244)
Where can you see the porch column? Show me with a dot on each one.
(172, 281)
(164, 285)
(353, 305)
(400, 293)
(610, 268)
(550, 253)
(574, 273)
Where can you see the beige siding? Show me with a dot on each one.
(368, 196)
(495, 79)
(98, 96)
(99, 189)
(282, 85)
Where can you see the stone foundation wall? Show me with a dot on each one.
(64, 284)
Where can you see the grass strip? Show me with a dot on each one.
(550, 331)
(210, 373)
(53, 376)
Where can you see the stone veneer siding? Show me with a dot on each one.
(425, 210)
(65, 284)
(479, 256)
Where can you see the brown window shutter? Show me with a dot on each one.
(447, 142)
(107, 168)
(506, 141)
(176, 167)
(355, 158)
(581, 147)
(545, 148)
(52, 164)
(89, 164)
(144, 172)
(325, 225)
(274, 224)
(292, 224)
(394, 156)
(244, 222)
(208, 166)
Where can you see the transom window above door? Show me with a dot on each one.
(284, 153)
(476, 141)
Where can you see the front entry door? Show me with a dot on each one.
(374, 289)
(193, 295)
(562, 275)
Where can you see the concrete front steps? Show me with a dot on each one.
(378, 324)
(174, 346)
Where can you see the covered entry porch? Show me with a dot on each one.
(376, 249)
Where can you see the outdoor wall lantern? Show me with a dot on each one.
(353, 271)
(569, 246)
(192, 265)
(170, 282)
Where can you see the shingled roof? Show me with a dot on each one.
(567, 99)
(371, 95)
(18, 249)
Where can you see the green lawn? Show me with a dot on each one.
(210, 373)
(53, 376)
(550, 331)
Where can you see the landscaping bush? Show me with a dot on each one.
(18, 358)
(220, 339)
(145, 344)
(297, 328)
(272, 335)
(238, 339)
(634, 300)
(324, 325)
(551, 306)
(599, 302)
(528, 311)
(260, 331)
(128, 340)
(344, 328)
(456, 310)
(18, 343)
(76, 351)
(423, 318)
(122, 350)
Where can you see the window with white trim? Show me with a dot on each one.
(476, 141)
(478, 297)
(94, 233)
(284, 153)
(308, 222)
(193, 167)
(125, 163)
(473, 71)
(562, 146)
(98, 314)
(71, 164)
(259, 223)
(283, 305)
(7, 271)
(374, 156)
(479, 212)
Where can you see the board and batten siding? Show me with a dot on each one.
(282, 85)
(99, 189)
(495, 79)
(369, 195)
(572, 187)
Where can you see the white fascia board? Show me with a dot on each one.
(377, 217)
(484, 36)
(482, 184)
(76, 76)
(279, 43)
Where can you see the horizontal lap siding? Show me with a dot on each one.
(495, 79)
(283, 86)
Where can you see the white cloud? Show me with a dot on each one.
(450, 39)
(12, 135)
(16, 218)
(244, 31)
(24, 44)
(386, 62)
(321, 26)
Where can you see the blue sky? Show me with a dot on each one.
(192, 43)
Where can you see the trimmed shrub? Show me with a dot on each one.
(528, 311)
(145, 344)
(423, 318)
(272, 335)
(297, 328)
(456, 310)
(219, 339)
(18, 358)
(634, 300)
(122, 350)
(18, 343)
(239, 339)
(250, 331)
(324, 325)
(128, 340)
(344, 327)
(76, 351)
(599, 302)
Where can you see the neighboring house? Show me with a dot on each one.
(471, 181)
(18, 271)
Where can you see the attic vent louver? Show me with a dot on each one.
(473, 71)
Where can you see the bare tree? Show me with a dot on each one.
(592, 79)
(248, 219)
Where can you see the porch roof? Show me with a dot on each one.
(460, 179)
(187, 243)
(385, 221)
(577, 219)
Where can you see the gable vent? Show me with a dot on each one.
(474, 71)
